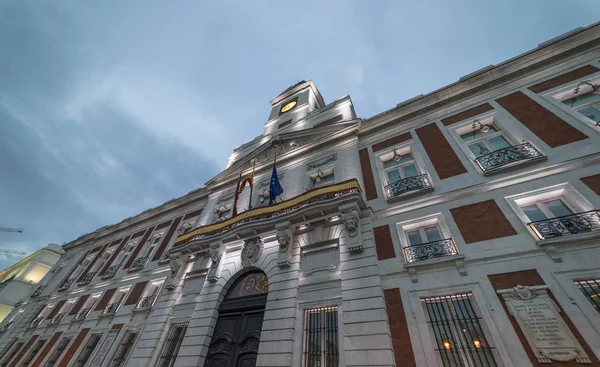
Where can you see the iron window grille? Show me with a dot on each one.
(140, 262)
(407, 185)
(58, 352)
(35, 322)
(39, 291)
(12, 354)
(6, 326)
(88, 350)
(172, 345)
(459, 337)
(591, 291)
(430, 250)
(66, 284)
(166, 256)
(321, 339)
(88, 277)
(82, 314)
(111, 308)
(56, 319)
(567, 225)
(124, 349)
(38, 345)
(147, 301)
(112, 271)
(502, 157)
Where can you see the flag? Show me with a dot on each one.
(275, 188)
(247, 180)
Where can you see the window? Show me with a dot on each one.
(115, 301)
(458, 334)
(88, 350)
(124, 349)
(399, 167)
(583, 98)
(424, 235)
(128, 250)
(149, 296)
(172, 345)
(543, 210)
(36, 349)
(55, 356)
(222, 212)
(321, 339)
(591, 290)
(322, 178)
(426, 238)
(484, 140)
(12, 354)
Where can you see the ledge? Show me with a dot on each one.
(439, 260)
(410, 194)
(563, 240)
(141, 309)
(106, 315)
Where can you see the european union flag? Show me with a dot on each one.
(274, 187)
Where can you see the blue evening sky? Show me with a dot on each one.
(108, 108)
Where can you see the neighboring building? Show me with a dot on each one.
(19, 280)
(460, 228)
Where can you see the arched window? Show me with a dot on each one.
(249, 284)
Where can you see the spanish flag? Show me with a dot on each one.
(240, 187)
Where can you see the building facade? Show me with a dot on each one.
(20, 280)
(460, 228)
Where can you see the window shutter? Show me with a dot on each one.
(136, 293)
(105, 299)
(166, 239)
(54, 311)
(138, 248)
(80, 302)
(64, 362)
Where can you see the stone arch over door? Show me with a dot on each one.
(236, 335)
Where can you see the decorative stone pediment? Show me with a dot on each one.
(321, 162)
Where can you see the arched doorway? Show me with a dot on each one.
(237, 333)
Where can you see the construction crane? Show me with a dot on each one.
(6, 229)
(12, 252)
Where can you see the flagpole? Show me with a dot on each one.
(237, 189)
(252, 184)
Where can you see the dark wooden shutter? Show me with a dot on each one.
(64, 362)
(23, 351)
(80, 302)
(166, 239)
(114, 256)
(91, 264)
(136, 293)
(138, 248)
(47, 349)
(54, 311)
(367, 172)
(105, 299)
(445, 161)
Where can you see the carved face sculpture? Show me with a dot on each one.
(214, 256)
(283, 242)
(351, 224)
(251, 249)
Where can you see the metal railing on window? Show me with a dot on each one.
(111, 308)
(456, 327)
(112, 271)
(66, 284)
(408, 185)
(567, 225)
(82, 314)
(172, 345)
(140, 262)
(166, 256)
(591, 290)
(56, 319)
(89, 277)
(321, 340)
(430, 250)
(39, 290)
(6, 326)
(502, 157)
(35, 322)
(124, 349)
(145, 302)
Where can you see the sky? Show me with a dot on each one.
(108, 108)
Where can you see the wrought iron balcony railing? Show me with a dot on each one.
(145, 302)
(139, 263)
(111, 308)
(35, 322)
(430, 250)
(165, 257)
(111, 271)
(408, 185)
(39, 291)
(499, 158)
(82, 314)
(567, 225)
(88, 277)
(6, 326)
(66, 285)
(56, 319)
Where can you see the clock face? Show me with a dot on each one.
(288, 106)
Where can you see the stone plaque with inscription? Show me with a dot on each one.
(540, 320)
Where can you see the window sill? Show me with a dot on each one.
(81, 284)
(133, 270)
(409, 194)
(562, 240)
(107, 315)
(108, 276)
(163, 261)
(429, 262)
(74, 320)
(141, 309)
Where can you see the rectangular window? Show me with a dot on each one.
(321, 340)
(86, 353)
(485, 140)
(424, 235)
(459, 337)
(124, 349)
(591, 290)
(12, 354)
(323, 178)
(542, 210)
(36, 349)
(585, 99)
(172, 344)
(57, 353)
(400, 167)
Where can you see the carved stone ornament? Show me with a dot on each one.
(251, 251)
(351, 221)
(321, 162)
(215, 254)
(284, 237)
(175, 266)
(544, 328)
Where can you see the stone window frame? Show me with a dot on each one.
(426, 221)
(327, 169)
(153, 242)
(564, 191)
(503, 125)
(262, 184)
(382, 155)
(556, 95)
(151, 286)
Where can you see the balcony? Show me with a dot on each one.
(508, 157)
(39, 291)
(566, 225)
(139, 263)
(88, 278)
(66, 285)
(165, 258)
(430, 250)
(56, 319)
(6, 326)
(82, 314)
(408, 186)
(111, 271)
(145, 302)
(111, 309)
(35, 322)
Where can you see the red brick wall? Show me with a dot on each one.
(72, 350)
(193, 214)
(114, 256)
(553, 130)
(564, 78)
(23, 351)
(54, 311)
(165, 242)
(482, 221)
(593, 182)
(532, 278)
(403, 352)
(391, 142)
(80, 302)
(466, 114)
(445, 161)
(136, 293)
(138, 248)
(383, 242)
(105, 299)
(367, 172)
